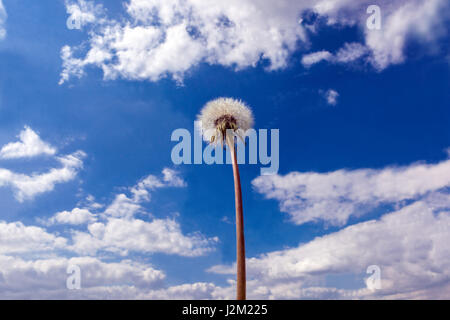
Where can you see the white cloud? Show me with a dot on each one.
(141, 190)
(172, 178)
(331, 96)
(46, 278)
(124, 206)
(335, 196)
(402, 21)
(18, 238)
(75, 217)
(125, 279)
(234, 34)
(240, 34)
(121, 232)
(33, 261)
(447, 151)
(315, 57)
(116, 230)
(83, 13)
(188, 291)
(30, 145)
(71, 66)
(28, 186)
(123, 235)
(420, 19)
(409, 245)
(350, 52)
(90, 203)
(3, 17)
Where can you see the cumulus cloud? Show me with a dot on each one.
(156, 39)
(46, 278)
(30, 145)
(122, 206)
(117, 230)
(123, 235)
(122, 232)
(75, 217)
(28, 186)
(172, 178)
(161, 38)
(335, 196)
(409, 246)
(127, 206)
(34, 261)
(71, 66)
(348, 53)
(18, 238)
(125, 279)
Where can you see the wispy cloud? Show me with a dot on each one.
(28, 186)
(116, 229)
(348, 53)
(315, 57)
(3, 17)
(335, 196)
(16, 238)
(331, 96)
(30, 145)
(121, 235)
(120, 231)
(45, 278)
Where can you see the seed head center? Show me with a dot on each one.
(225, 122)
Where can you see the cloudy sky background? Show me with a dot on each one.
(90, 92)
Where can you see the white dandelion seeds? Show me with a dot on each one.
(223, 114)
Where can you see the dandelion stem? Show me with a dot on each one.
(240, 241)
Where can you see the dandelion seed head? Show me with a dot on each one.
(224, 115)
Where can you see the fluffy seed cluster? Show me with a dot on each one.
(224, 115)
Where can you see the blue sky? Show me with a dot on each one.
(86, 175)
